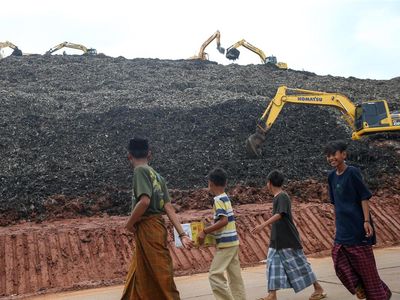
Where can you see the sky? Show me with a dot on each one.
(359, 38)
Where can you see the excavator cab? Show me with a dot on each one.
(91, 51)
(271, 60)
(371, 115)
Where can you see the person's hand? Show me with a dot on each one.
(201, 237)
(187, 242)
(206, 221)
(258, 229)
(368, 229)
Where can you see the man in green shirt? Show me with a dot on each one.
(150, 275)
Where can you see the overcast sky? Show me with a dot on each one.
(359, 38)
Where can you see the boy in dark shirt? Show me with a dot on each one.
(352, 253)
(287, 266)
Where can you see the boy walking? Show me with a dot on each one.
(224, 229)
(287, 266)
(150, 275)
(352, 253)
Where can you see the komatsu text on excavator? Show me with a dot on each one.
(366, 118)
(232, 53)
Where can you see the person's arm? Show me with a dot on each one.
(367, 221)
(137, 212)
(222, 221)
(170, 211)
(330, 191)
(273, 219)
(365, 194)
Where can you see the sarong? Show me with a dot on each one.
(355, 265)
(150, 274)
(288, 268)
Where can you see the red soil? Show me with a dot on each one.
(79, 253)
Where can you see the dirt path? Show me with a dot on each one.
(197, 287)
(87, 252)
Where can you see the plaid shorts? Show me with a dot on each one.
(288, 268)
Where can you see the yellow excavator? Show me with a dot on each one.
(232, 53)
(86, 51)
(202, 54)
(366, 118)
(7, 44)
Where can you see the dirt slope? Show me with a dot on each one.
(88, 252)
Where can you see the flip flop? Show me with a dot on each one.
(317, 296)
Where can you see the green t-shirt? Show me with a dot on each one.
(148, 182)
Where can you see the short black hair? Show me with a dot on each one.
(218, 176)
(138, 147)
(333, 146)
(276, 178)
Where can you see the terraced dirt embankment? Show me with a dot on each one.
(88, 252)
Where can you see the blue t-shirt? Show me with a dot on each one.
(346, 192)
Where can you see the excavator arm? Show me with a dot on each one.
(202, 54)
(7, 44)
(232, 53)
(85, 50)
(367, 118)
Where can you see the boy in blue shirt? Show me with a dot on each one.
(352, 253)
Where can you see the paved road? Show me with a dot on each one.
(196, 287)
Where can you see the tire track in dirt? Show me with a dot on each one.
(78, 253)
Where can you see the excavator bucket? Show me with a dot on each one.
(16, 52)
(254, 142)
(221, 49)
(232, 54)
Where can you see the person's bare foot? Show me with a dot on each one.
(270, 296)
(318, 293)
(360, 292)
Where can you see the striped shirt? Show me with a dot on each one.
(226, 236)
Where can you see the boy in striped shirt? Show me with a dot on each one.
(227, 242)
